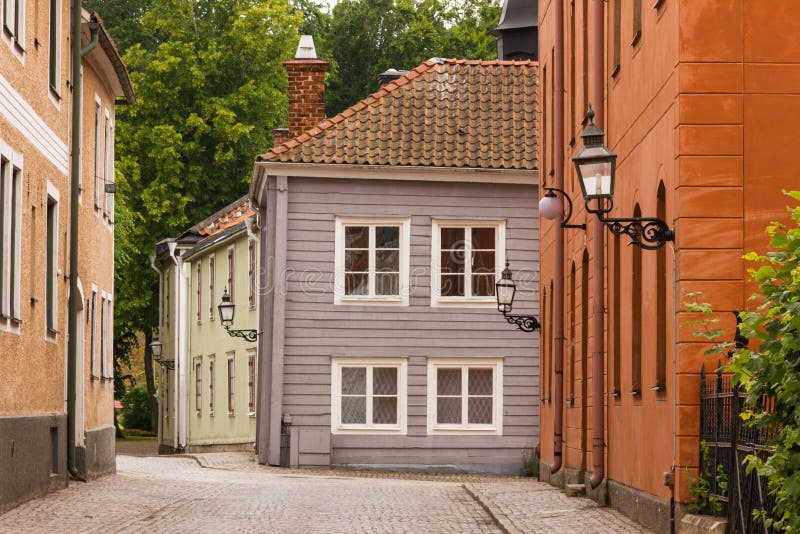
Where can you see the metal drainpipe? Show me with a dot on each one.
(598, 304)
(175, 358)
(160, 312)
(75, 169)
(558, 256)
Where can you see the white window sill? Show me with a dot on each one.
(371, 301)
(458, 302)
(353, 429)
(231, 414)
(461, 429)
(251, 414)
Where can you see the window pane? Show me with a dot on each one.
(354, 410)
(479, 411)
(356, 236)
(483, 262)
(384, 410)
(387, 237)
(448, 381)
(354, 380)
(482, 238)
(387, 260)
(452, 261)
(356, 260)
(384, 381)
(452, 285)
(452, 238)
(483, 285)
(387, 284)
(448, 410)
(480, 381)
(356, 284)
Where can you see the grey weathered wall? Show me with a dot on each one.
(316, 329)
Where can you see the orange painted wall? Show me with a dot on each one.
(704, 102)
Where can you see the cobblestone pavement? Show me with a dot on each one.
(229, 492)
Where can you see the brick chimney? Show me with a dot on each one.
(306, 89)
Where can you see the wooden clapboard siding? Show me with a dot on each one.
(317, 330)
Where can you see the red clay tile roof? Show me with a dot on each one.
(444, 113)
(227, 217)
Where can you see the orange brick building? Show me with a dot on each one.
(36, 93)
(699, 99)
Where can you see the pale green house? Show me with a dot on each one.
(207, 391)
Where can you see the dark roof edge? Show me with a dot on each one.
(112, 52)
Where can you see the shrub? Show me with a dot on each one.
(135, 409)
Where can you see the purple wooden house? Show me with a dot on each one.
(384, 230)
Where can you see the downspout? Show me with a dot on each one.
(160, 321)
(675, 308)
(558, 256)
(176, 333)
(598, 250)
(75, 169)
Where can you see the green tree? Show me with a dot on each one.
(211, 88)
(772, 369)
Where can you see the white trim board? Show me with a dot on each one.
(16, 110)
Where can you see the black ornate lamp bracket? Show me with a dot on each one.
(248, 335)
(168, 364)
(646, 232)
(526, 323)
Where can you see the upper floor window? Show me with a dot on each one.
(252, 263)
(368, 395)
(231, 271)
(372, 261)
(212, 274)
(198, 283)
(98, 166)
(54, 58)
(14, 21)
(51, 255)
(10, 233)
(467, 260)
(465, 395)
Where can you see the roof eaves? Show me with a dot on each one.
(112, 52)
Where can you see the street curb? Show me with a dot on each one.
(498, 516)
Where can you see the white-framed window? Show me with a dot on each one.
(466, 260)
(198, 284)
(54, 55)
(93, 334)
(252, 271)
(251, 381)
(51, 259)
(106, 166)
(372, 261)
(211, 382)
(14, 21)
(198, 385)
(212, 274)
(368, 395)
(465, 395)
(98, 161)
(231, 270)
(109, 338)
(103, 334)
(11, 170)
(231, 384)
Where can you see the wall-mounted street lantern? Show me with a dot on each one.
(551, 207)
(596, 165)
(155, 348)
(505, 289)
(226, 309)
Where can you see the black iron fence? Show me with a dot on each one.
(725, 443)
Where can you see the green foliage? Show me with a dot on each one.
(366, 37)
(706, 323)
(773, 368)
(704, 501)
(136, 409)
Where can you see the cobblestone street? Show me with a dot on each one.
(231, 493)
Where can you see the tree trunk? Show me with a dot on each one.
(150, 380)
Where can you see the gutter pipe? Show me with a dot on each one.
(558, 256)
(176, 421)
(598, 250)
(75, 169)
(160, 320)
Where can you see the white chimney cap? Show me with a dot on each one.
(306, 50)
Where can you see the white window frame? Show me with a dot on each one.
(109, 337)
(53, 197)
(212, 275)
(496, 364)
(230, 282)
(436, 261)
(93, 335)
(252, 398)
(97, 159)
(11, 245)
(54, 49)
(252, 261)
(14, 33)
(212, 384)
(199, 289)
(198, 385)
(230, 381)
(339, 296)
(337, 364)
